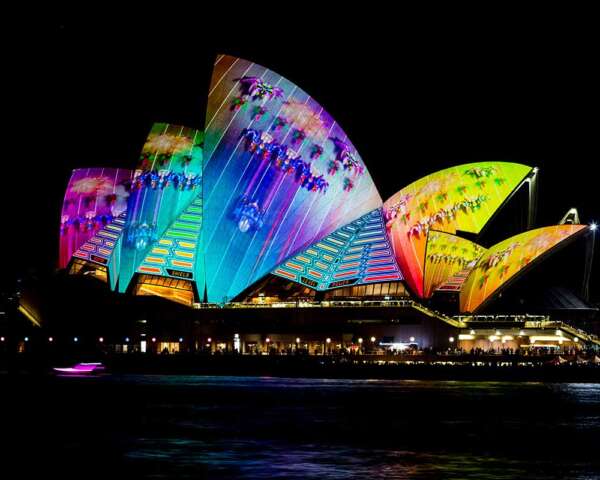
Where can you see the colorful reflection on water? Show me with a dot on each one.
(134, 426)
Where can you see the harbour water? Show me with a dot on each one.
(162, 426)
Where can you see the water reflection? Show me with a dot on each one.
(240, 427)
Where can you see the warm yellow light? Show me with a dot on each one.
(29, 315)
(466, 336)
(493, 338)
(546, 338)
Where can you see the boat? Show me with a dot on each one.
(83, 368)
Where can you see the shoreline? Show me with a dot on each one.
(324, 367)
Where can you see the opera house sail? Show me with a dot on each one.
(273, 188)
(280, 175)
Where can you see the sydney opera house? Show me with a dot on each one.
(272, 206)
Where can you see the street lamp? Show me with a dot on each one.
(451, 339)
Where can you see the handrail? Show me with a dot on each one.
(497, 318)
(402, 302)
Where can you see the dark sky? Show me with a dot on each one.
(413, 98)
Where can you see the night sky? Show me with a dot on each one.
(412, 98)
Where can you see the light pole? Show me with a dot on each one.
(589, 254)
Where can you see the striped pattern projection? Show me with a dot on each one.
(104, 246)
(174, 254)
(355, 254)
(455, 282)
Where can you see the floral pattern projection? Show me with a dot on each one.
(280, 175)
(447, 255)
(461, 198)
(93, 199)
(508, 258)
(168, 178)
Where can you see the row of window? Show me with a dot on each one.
(165, 282)
(371, 290)
(81, 267)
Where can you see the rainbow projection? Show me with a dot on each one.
(94, 198)
(280, 175)
(164, 207)
(508, 258)
(447, 256)
(461, 198)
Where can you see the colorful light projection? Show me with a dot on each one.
(93, 199)
(461, 198)
(176, 253)
(103, 249)
(280, 175)
(447, 255)
(508, 258)
(355, 254)
(167, 181)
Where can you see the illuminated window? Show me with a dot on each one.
(180, 291)
(81, 267)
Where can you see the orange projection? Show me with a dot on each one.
(508, 258)
(461, 198)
